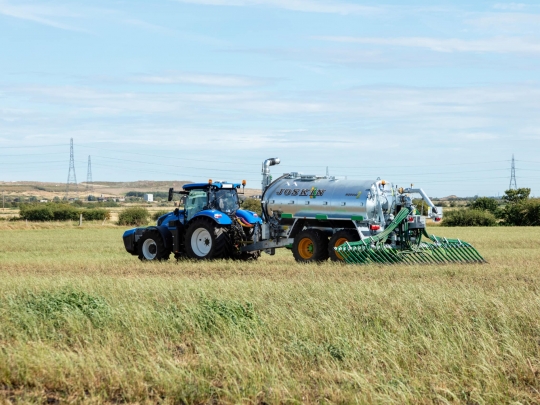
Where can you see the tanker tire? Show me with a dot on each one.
(339, 238)
(324, 240)
(310, 245)
(151, 247)
(206, 241)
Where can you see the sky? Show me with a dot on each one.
(439, 94)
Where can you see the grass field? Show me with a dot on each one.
(83, 321)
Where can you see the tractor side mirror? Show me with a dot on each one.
(171, 191)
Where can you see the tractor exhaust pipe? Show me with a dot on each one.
(267, 179)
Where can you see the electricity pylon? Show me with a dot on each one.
(72, 177)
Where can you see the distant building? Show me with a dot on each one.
(149, 197)
(43, 201)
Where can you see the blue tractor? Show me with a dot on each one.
(211, 226)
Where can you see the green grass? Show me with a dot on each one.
(83, 321)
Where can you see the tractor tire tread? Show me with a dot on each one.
(320, 246)
(163, 252)
(350, 234)
(221, 239)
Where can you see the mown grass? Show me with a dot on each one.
(83, 321)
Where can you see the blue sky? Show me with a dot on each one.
(439, 94)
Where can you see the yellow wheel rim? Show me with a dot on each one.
(305, 248)
(340, 242)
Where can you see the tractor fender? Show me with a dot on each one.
(219, 217)
(130, 237)
(250, 216)
(171, 219)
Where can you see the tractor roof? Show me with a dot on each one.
(225, 185)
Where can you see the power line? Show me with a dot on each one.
(33, 146)
(44, 162)
(258, 164)
(169, 165)
(34, 154)
(132, 169)
(349, 175)
(431, 165)
(432, 173)
(243, 171)
(34, 169)
(172, 157)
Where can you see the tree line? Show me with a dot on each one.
(518, 209)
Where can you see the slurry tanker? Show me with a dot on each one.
(317, 217)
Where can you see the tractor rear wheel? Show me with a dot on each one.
(151, 247)
(338, 239)
(310, 245)
(205, 240)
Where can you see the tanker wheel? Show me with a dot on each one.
(205, 240)
(151, 247)
(310, 245)
(338, 239)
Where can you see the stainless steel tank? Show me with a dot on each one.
(308, 196)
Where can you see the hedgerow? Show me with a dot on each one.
(61, 212)
(469, 217)
(134, 216)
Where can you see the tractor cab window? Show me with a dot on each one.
(226, 200)
(196, 201)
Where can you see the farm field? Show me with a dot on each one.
(83, 321)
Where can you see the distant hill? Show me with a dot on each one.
(140, 184)
(450, 197)
(104, 188)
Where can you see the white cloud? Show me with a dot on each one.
(378, 109)
(39, 14)
(200, 79)
(313, 6)
(288, 131)
(509, 6)
(438, 124)
(149, 26)
(507, 21)
(492, 45)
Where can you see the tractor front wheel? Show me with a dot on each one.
(151, 247)
(310, 245)
(205, 240)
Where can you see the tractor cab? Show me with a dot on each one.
(221, 197)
